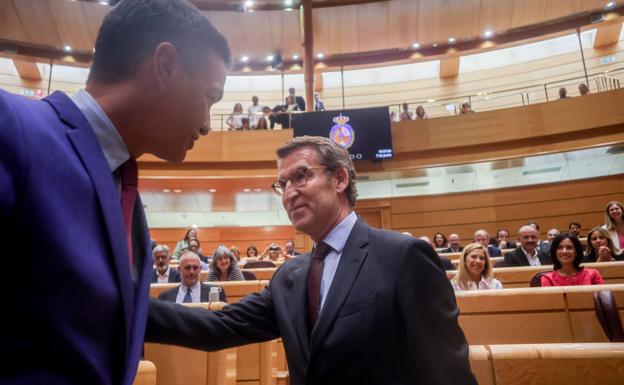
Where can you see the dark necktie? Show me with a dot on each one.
(129, 182)
(314, 281)
(187, 296)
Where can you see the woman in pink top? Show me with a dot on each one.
(567, 253)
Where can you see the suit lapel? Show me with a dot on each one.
(88, 149)
(351, 260)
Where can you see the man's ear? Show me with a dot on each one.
(342, 179)
(165, 61)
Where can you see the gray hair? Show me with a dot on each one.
(187, 254)
(160, 248)
(222, 250)
(331, 155)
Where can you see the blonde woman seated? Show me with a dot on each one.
(475, 270)
(224, 266)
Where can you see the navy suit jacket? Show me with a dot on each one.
(76, 313)
(174, 276)
(390, 317)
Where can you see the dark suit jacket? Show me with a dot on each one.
(83, 322)
(174, 276)
(300, 102)
(517, 258)
(172, 294)
(449, 250)
(390, 317)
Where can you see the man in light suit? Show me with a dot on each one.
(163, 273)
(190, 290)
(68, 174)
(367, 307)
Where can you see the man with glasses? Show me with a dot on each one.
(163, 273)
(190, 290)
(366, 306)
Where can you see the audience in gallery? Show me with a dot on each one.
(439, 241)
(407, 114)
(475, 270)
(600, 247)
(235, 251)
(614, 223)
(252, 252)
(273, 253)
(527, 254)
(194, 246)
(299, 100)
(163, 273)
(574, 229)
(483, 237)
(454, 244)
(466, 108)
(318, 103)
(583, 89)
(224, 266)
(190, 289)
(183, 244)
(552, 234)
(502, 240)
(235, 120)
(563, 93)
(255, 112)
(566, 253)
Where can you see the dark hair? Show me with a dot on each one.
(186, 236)
(499, 230)
(251, 247)
(578, 248)
(331, 155)
(219, 251)
(133, 29)
(443, 239)
(196, 240)
(574, 224)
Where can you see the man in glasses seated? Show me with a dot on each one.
(367, 306)
(163, 273)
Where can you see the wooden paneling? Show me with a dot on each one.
(27, 70)
(607, 35)
(321, 27)
(495, 14)
(432, 21)
(343, 30)
(10, 24)
(38, 22)
(527, 12)
(449, 68)
(72, 24)
(373, 21)
(462, 18)
(403, 28)
(559, 8)
(95, 13)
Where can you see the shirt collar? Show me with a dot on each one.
(166, 272)
(527, 253)
(194, 288)
(337, 237)
(112, 144)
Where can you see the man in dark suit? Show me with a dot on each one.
(68, 174)
(289, 248)
(483, 237)
(190, 290)
(318, 103)
(503, 241)
(527, 254)
(368, 306)
(163, 273)
(298, 99)
(454, 245)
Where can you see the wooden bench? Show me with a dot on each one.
(265, 273)
(234, 290)
(533, 315)
(146, 374)
(552, 364)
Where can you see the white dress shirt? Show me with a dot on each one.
(195, 293)
(336, 239)
(163, 278)
(484, 284)
(533, 259)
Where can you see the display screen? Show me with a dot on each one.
(365, 132)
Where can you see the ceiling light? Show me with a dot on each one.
(166, 190)
(249, 3)
(245, 59)
(177, 190)
(434, 45)
(430, 100)
(610, 5)
(488, 34)
(416, 45)
(194, 226)
(212, 190)
(451, 40)
(67, 48)
(257, 189)
(246, 190)
(270, 58)
(295, 57)
(104, 2)
(320, 55)
(288, 3)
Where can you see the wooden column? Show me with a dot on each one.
(308, 55)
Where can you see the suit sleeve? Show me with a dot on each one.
(12, 162)
(435, 343)
(248, 321)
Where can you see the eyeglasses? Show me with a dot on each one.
(300, 178)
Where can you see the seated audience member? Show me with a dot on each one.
(262, 124)
(318, 103)
(563, 93)
(454, 246)
(183, 244)
(543, 247)
(289, 247)
(420, 112)
(567, 253)
(552, 234)
(279, 116)
(466, 108)
(448, 265)
(583, 89)
(393, 117)
(235, 120)
(194, 246)
(600, 247)
(475, 270)
(614, 223)
(527, 254)
(236, 252)
(252, 252)
(163, 273)
(224, 267)
(246, 126)
(190, 290)
(273, 253)
(439, 241)
(255, 112)
(574, 229)
(406, 114)
(298, 99)
(483, 237)
(503, 241)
